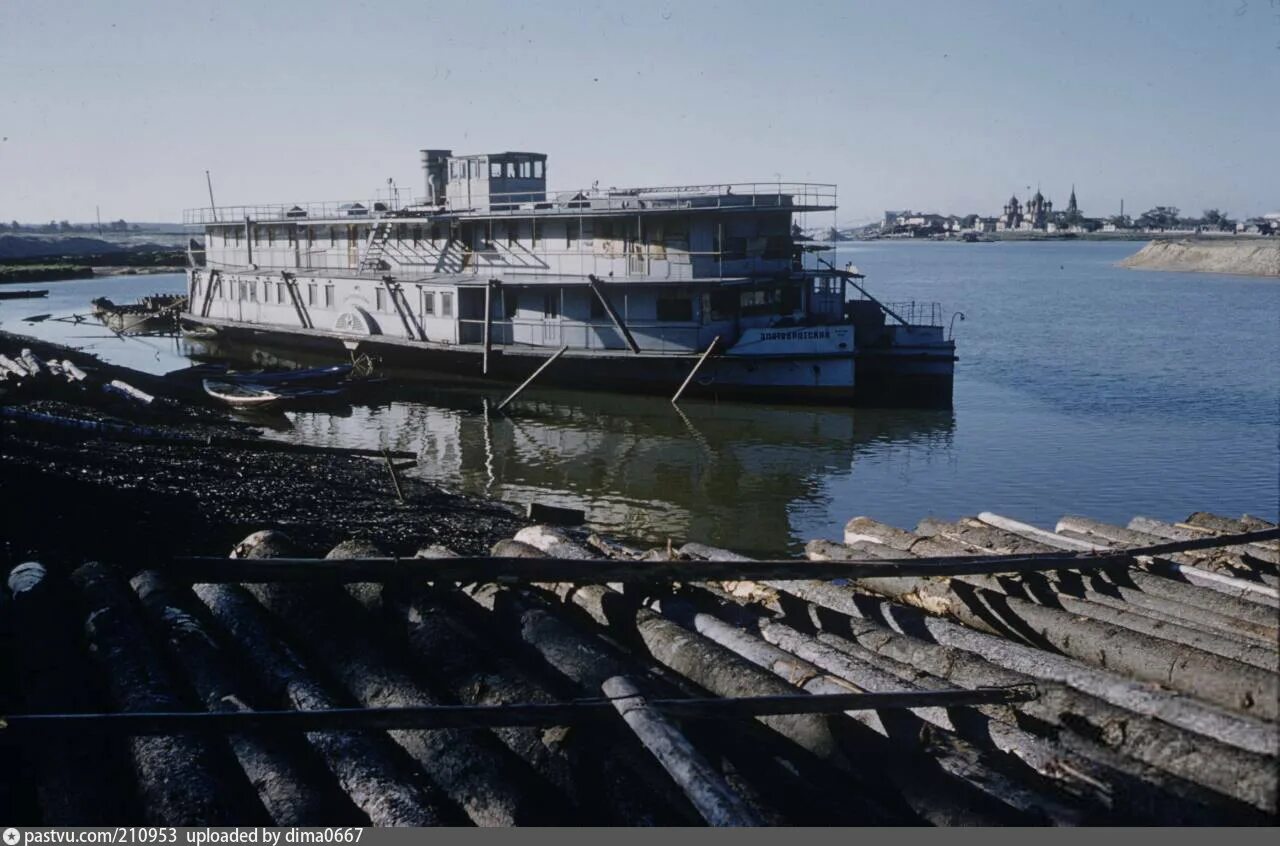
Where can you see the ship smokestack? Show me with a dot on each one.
(434, 163)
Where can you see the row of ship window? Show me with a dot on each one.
(278, 292)
(719, 305)
(472, 168)
(672, 233)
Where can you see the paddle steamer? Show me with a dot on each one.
(490, 273)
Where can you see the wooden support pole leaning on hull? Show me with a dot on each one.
(209, 282)
(533, 376)
(675, 399)
(488, 326)
(597, 288)
(706, 788)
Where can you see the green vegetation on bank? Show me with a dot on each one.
(43, 272)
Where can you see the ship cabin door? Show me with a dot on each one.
(470, 315)
(353, 246)
(551, 316)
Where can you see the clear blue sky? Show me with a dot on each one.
(940, 106)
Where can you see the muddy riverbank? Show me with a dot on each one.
(67, 491)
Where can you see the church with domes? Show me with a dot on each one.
(1037, 214)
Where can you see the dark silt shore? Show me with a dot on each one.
(74, 493)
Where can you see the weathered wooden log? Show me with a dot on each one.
(1232, 683)
(179, 778)
(981, 536)
(1168, 620)
(1215, 568)
(1144, 699)
(1213, 580)
(516, 549)
(716, 669)
(553, 542)
(492, 785)
(928, 560)
(1225, 558)
(866, 529)
(32, 363)
(1059, 592)
(14, 368)
(706, 789)
(1042, 535)
(367, 765)
(442, 641)
(74, 373)
(869, 670)
(739, 670)
(1268, 552)
(290, 794)
(1244, 687)
(678, 649)
(1086, 726)
(75, 784)
(1151, 587)
(965, 762)
(824, 550)
(129, 392)
(1163, 586)
(1245, 732)
(820, 792)
(1121, 605)
(1231, 562)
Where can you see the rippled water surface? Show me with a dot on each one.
(1082, 389)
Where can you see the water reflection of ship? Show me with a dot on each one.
(729, 474)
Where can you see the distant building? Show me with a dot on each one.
(1038, 213)
(1012, 217)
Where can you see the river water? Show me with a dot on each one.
(1082, 388)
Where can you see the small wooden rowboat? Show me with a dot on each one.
(311, 377)
(240, 396)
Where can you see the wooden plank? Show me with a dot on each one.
(555, 514)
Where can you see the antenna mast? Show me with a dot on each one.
(213, 207)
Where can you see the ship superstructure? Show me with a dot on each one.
(489, 272)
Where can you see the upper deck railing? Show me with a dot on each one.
(791, 196)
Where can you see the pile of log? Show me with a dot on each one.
(28, 374)
(1059, 680)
